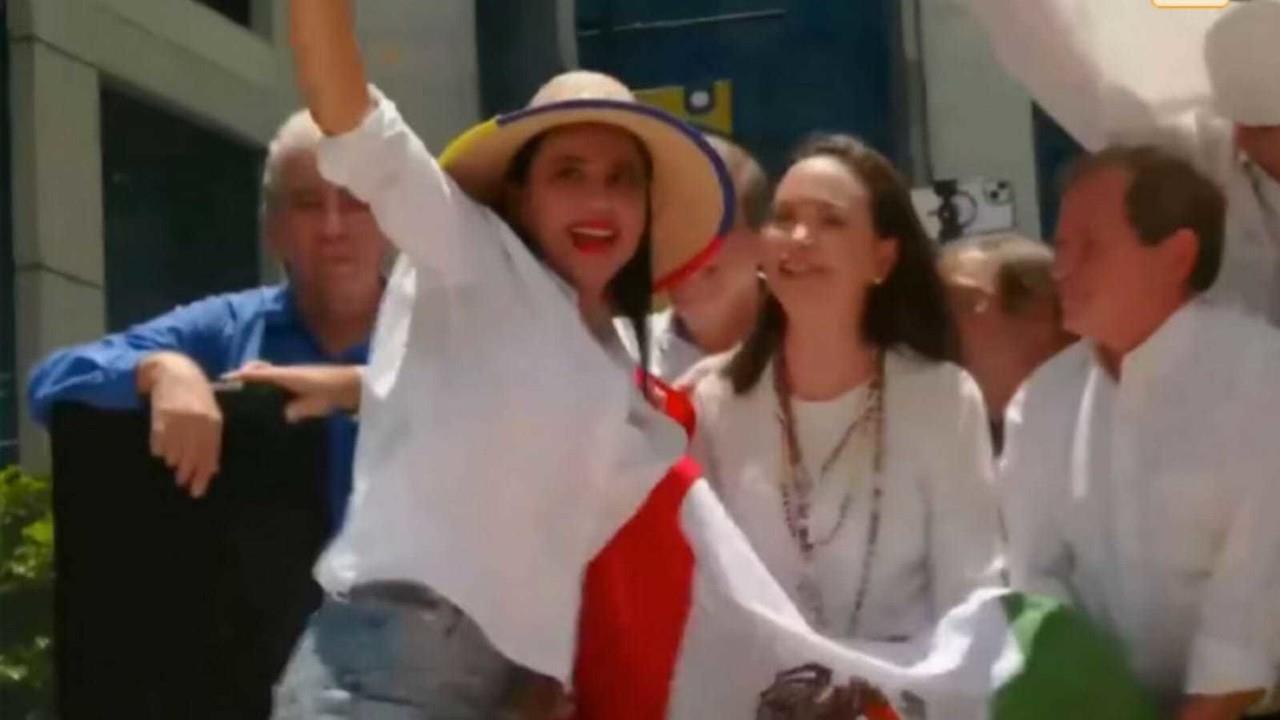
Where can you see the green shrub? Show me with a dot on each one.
(26, 595)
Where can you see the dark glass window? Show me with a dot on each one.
(180, 208)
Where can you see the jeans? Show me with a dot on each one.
(392, 651)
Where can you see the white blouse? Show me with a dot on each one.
(673, 355)
(1151, 502)
(501, 443)
(939, 533)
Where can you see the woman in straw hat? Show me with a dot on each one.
(495, 370)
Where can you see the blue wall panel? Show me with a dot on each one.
(796, 65)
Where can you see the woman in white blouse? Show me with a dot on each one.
(494, 365)
(843, 441)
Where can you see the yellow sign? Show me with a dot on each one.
(706, 107)
(1192, 4)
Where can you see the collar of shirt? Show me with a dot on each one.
(1142, 368)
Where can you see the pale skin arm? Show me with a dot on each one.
(330, 71)
(319, 390)
(186, 423)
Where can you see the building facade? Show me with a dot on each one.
(134, 130)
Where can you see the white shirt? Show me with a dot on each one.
(1086, 62)
(500, 440)
(670, 355)
(1151, 502)
(673, 355)
(938, 537)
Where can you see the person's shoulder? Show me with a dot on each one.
(265, 296)
(1071, 364)
(1239, 346)
(1052, 388)
(908, 372)
(708, 378)
(228, 307)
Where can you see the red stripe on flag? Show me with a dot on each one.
(636, 600)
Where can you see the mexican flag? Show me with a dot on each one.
(680, 619)
(670, 614)
(1107, 71)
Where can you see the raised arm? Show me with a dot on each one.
(330, 70)
(372, 152)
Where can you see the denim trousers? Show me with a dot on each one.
(392, 651)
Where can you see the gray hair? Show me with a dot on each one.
(299, 133)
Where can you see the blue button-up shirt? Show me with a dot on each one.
(219, 333)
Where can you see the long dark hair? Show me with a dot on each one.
(908, 310)
(631, 289)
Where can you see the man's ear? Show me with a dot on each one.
(1180, 253)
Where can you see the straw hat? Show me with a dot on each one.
(1242, 53)
(691, 195)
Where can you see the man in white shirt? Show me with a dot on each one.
(1127, 72)
(715, 307)
(1140, 470)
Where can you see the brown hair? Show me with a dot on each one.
(907, 310)
(1023, 268)
(1166, 194)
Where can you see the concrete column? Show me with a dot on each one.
(57, 213)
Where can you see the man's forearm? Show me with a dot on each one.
(154, 366)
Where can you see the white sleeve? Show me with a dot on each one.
(416, 204)
(1089, 64)
(964, 532)
(1233, 649)
(1038, 555)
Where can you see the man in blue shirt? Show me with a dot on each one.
(322, 317)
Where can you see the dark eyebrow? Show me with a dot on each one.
(569, 159)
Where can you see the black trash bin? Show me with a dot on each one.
(169, 607)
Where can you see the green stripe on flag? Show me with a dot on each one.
(1072, 669)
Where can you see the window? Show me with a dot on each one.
(180, 208)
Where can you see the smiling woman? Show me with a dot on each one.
(578, 196)
(847, 254)
(812, 432)
(519, 246)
